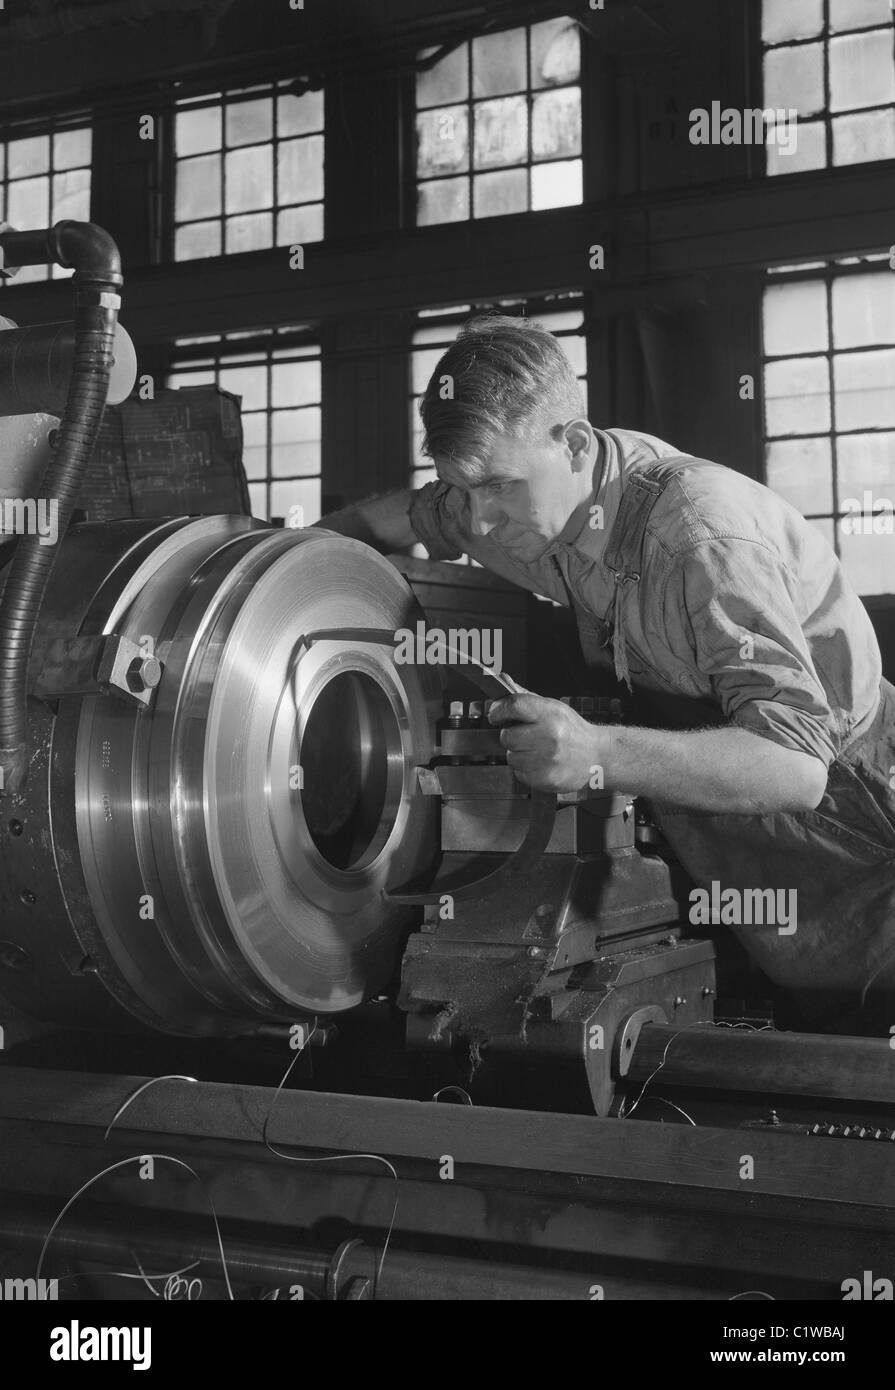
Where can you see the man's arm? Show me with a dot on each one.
(382, 522)
(726, 770)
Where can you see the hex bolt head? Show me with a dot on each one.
(144, 673)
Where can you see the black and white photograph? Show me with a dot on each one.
(447, 670)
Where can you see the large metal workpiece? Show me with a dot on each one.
(488, 1204)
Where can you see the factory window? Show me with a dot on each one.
(833, 61)
(829, 387)
(277, 376)
(248, 171)
(498, 124)
(44, 178)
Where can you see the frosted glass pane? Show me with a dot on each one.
(250, 122)
(249, 178)
(494, 195)
(29, 157)
(556, 124)
(866, 461)
(444, 201)
(251, 232)
(810, 151)
(29, 204)
(300, 115)
(298, 458)
(196, 241)
(797, 399)
(864, 310)
(795, 318)
(576, 351)
(442, 141)
(801, 470)
(196, 132)
(303, 494)
(791, 19)
(248, 382)
(555, 53)
(71, 195)
(864, 383)
(72, 149)
(859, 14)
(254, 459)
(864, 136)
(297, 226)
(869, 562)
(499, 63)
(501, 132)
(300, 170)
(556, 185)
(184, 379)
(794, 77)
(296, 426)
(862, 70)
(258, 500)
(295, 383)
(447, 81)
(198, 187)
(422, 365)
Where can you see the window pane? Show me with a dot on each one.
(859, 14)
(556, 124)
(795, 318)
(29, 205)
(866, 461)
(556, 185)
(447, 81)
(296, 443)
(253, 232)
(300, 170)
(254, 452)
(865, 389)
(71, 149)
(869, 562)
(443, 141)
(295, 383)
(258, 500)
(71, 195)
(791, 19)
(498, 63)
(865, 136)
(810, 151)
(249, 176)
(801, 470)
(250, 383)
(196, 241)
(28, 157)
(555, 53)
(447, 200)
(862, 70)
(496, 194)
(423, 364)
(797, 399)
(296, 226)
(299, 115)
(795, 77)
(198, 187)
(303, 494)
(863, 310)
(196, 132)
(250, 122)
(501, 132)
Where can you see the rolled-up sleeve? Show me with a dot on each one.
(738, 597)
(433, 516)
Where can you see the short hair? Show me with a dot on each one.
(507, 376)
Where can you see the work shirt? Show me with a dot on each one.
(733, 610)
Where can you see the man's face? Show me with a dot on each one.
(530, 489)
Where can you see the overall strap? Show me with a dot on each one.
(624, 553)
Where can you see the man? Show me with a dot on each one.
(708, 594)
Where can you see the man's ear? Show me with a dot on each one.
(580, 437)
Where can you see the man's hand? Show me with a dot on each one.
(548, 745)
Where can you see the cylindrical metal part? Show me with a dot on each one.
(740, 1059)
(36, 367)
(221, 855)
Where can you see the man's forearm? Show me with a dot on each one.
(382, 522)
(726, 770)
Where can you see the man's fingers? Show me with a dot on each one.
(518, 736)
(517, 709)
